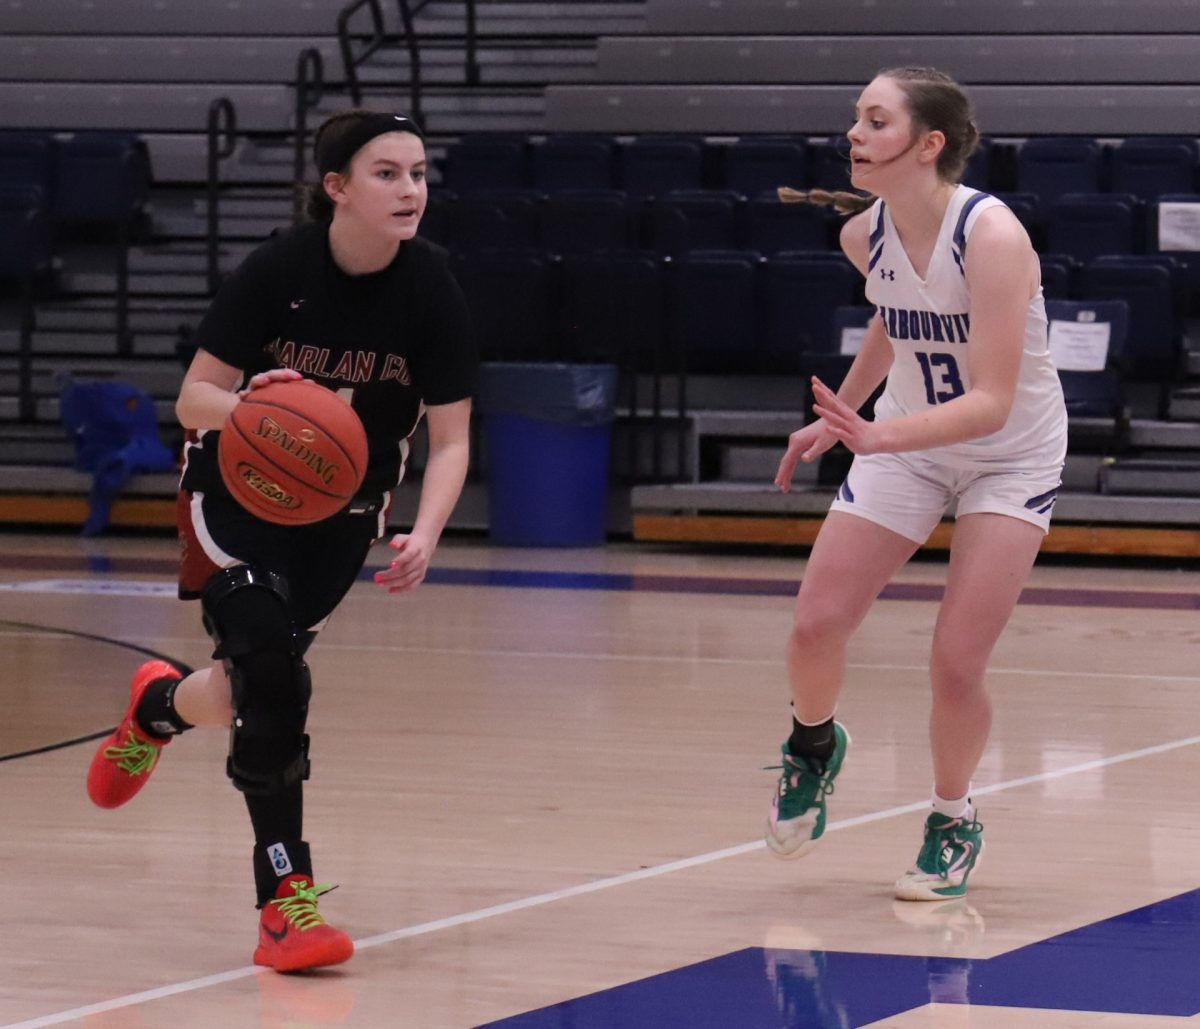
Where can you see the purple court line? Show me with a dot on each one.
(637, 582)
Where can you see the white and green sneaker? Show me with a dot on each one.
(949, 854)
(797, 816)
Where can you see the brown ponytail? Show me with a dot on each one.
(840, 201)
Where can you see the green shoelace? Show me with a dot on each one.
(301, 909)
(134, 756)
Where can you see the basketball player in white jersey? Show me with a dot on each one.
(972, 412)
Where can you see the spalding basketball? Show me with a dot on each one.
(292, 452)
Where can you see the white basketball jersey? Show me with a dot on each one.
(928, 322)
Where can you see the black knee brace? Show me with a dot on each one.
(246, 614)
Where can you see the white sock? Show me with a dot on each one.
(960, 808)
(811, 725)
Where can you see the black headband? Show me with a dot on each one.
(334, 156)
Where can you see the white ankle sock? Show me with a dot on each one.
(960, 808)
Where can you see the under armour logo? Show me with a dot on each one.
(884, 273)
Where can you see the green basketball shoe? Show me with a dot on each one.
(949, 854)
(797, 816)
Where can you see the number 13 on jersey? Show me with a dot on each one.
(942, 381)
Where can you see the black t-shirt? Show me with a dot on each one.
(398, 338)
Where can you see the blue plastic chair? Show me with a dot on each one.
(1088, 225)
(687, 220)
(586, 221)
(510, 295)
(1052, 166)
(487, 161)
(801, 295)
(654, 166)
(570, 161)
(771, 226)
(1148, 167)
(712, 313)
(1096, 394)
(758, 164)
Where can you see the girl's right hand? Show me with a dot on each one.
(805, 445)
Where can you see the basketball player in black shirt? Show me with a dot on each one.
(354, 300)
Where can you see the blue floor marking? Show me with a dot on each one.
(1143, 962)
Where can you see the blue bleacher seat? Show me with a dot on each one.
(28, 159)
(582, 221)
(758, 164)
(510, 295)
(771, 225)
(978, 172)
(612, 308)
(829, 164)
(487, 161)
(1154, 343)
(1057, 273)
(654, 165)
(519, 223)
(1148, 167)
(102, 178)
(435, 222)
(801, 293)
(685, 220)
(1086, 225)
(570, 161)
(712, 320)
(1092, 386)
(1052, 166)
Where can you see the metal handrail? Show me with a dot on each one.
(414, 62)
(222, 137)
(310, 86)
(350, 60)
(471, 74)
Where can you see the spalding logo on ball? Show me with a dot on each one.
(293, 452)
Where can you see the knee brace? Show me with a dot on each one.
(246, 614)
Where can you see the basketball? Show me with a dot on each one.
(292, 453)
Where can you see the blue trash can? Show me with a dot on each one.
(548, 429)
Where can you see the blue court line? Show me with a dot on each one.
(1141, 963)
(715, 585)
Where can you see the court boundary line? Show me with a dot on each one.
(582, 889)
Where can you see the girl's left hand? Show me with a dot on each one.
(408, 567)
(859, 435)
(266, 378)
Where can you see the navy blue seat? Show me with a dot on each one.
(613, 308)
(102, 178)
(978, 172)
(1148, 167)
(1053, 166)
(507, 218)
(510, 294)
(583, 221)
(570, 161)
(487, 161)
(829, 164)
(1091, 381)
(801, 296)
(686, 220)
(758, 164)
(653, 166)
(771, 225)
(712, 319)
(1154, 343)
(28, 159)
(435, 222)
(1057, 274)
(1087, 225)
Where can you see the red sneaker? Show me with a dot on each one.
(124, 761)
(293, 936)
